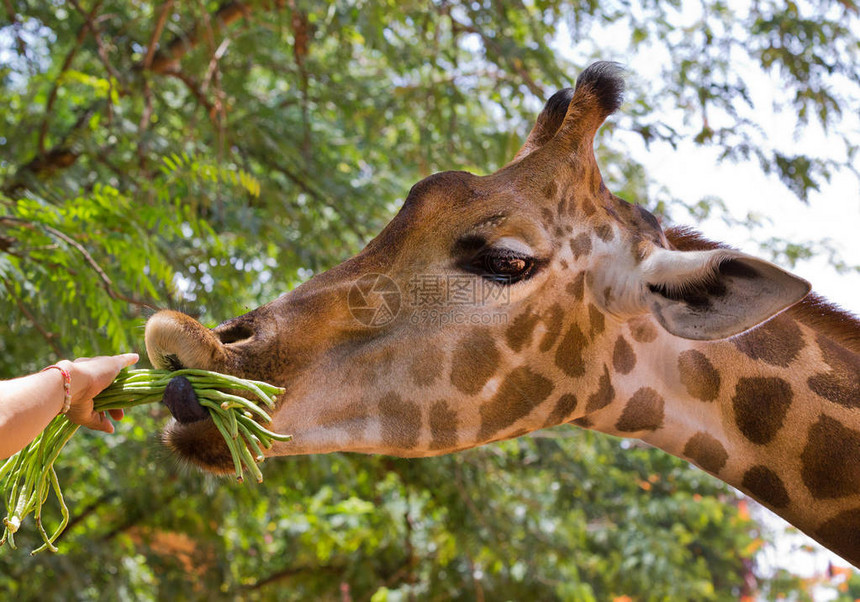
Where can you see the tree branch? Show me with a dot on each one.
(49, 336)
(166, 60)
(16, 25)
(195, 90)
(464, 495)
(156, 33)
(303, 185)
(213, 63)
(161, 62)
(112, 74)
(24, 256)
(491, 44)
(67, 62)
(61, 156)
(107, 283)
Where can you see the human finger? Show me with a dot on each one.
(129, 359)
(104, 369)
(98, 421)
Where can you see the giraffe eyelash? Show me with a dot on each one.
(500, 265)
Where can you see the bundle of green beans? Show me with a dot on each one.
(27, 478)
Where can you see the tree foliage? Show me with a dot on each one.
(209, 155)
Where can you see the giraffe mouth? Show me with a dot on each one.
(182, 402)
(192, 434)
(175, 341)
(179, 395)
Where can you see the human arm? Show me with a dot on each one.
(29, 403)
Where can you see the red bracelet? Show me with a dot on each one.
(67, 387)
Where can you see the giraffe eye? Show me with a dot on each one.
(505, 266)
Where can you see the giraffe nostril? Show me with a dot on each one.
(234, 333)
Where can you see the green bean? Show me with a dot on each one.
(234, 404)
(234, 401)
(237, 463)
(253, 441)
(250, 463)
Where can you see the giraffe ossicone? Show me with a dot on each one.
(533, 297)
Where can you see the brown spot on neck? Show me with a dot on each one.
(596, 320)
(518, 394)
(400, 422)
(519, 333)
(706, 451)
(553, 321)
(760, 406)
(623, 357)
(765, 485)
(829, 461)
(841, 384)
(568, 355)
(776, 342)
(642, 330)
(564, 407)
(583, 422)
(426, 365)
(608, 296)
(548, 217)
(351, 418)
(475, 360)
(561, 210)
(643, 412)
(576, 288)
(604, 232)
(604, 395)
(587, 207)
(581, 245)
(443, 426)
(841, 534)
(698, 375)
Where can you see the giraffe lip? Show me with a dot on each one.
(181, 400)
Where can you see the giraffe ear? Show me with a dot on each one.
(547, 124)
(707, 295)
(599, 92)
(578, 112)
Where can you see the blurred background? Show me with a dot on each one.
(208, 156)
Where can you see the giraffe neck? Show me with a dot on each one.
(774, 413)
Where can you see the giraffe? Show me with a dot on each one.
(590, 313)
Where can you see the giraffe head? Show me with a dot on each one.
(479, 313)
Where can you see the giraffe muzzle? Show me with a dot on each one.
(180, 399)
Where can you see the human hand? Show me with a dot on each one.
(89, 377)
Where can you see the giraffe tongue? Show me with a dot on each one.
(180, 399)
